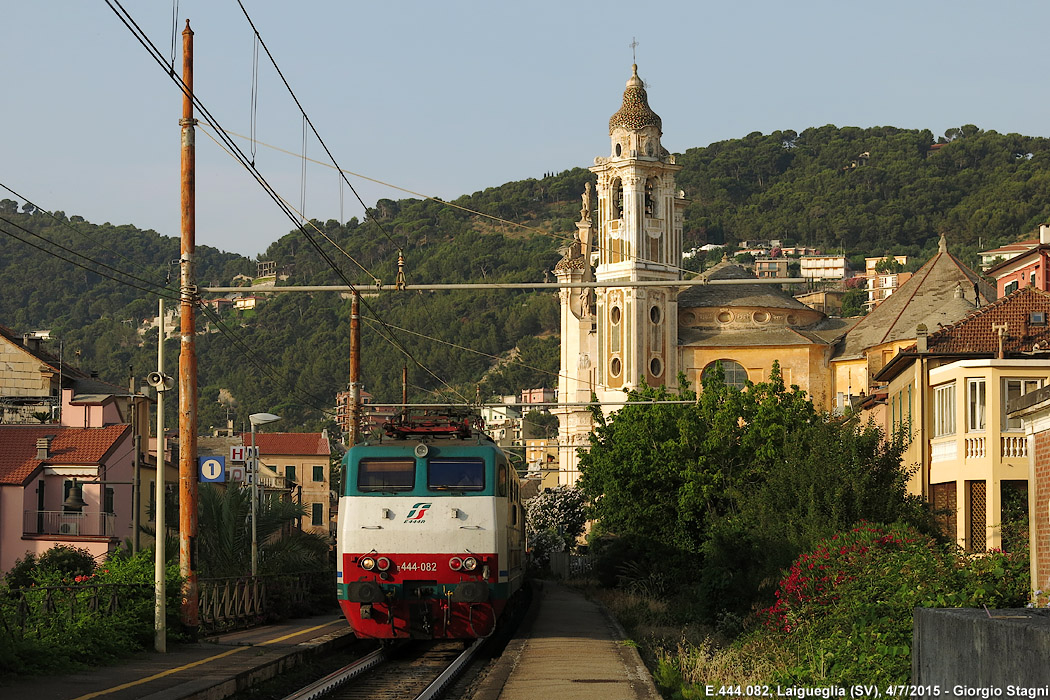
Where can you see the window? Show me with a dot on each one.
(456, 474)
(318, 472)
(317, 513)
(975, 404)
(735, 374)
(1010, 288)
(107, 501)
(944, 410)
(289, 473)
(386, 474)
(1012, 388)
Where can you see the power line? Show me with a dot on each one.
(145, 41)
(156, 289)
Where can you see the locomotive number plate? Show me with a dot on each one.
(420, 566)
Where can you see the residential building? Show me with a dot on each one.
(538, 396)
(772, 267)
(541, 460)
(503, 423)
(827, 301)
(1029, 267)
(1033, 410)
(373, 416)
(302, 461)
(824, 267)
(882, 283)
(950, 389)
(990, 258)
(41, 465)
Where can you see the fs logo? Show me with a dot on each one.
(417, 513)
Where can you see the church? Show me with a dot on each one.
(638, 322)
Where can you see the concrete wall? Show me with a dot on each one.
(977, 649)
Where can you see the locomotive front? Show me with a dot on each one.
(430, 538)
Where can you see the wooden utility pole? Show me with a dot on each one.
(188, 353)
(355, 368)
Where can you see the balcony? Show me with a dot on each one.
(67, 524)
(1014, 446)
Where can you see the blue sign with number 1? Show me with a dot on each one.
(212, 468)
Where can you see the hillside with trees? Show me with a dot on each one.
(867, 191)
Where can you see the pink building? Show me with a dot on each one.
(1028, 268)
(39, 466)
(538, 396)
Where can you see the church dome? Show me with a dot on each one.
(635, 112)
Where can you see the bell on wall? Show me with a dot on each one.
(75, 499)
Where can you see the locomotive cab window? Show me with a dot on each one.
(456, 474)
(386, 475)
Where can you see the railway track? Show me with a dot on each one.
(411, 671)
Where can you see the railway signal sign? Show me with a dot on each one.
(212, 468)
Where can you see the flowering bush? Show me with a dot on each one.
(559, 510)
(849, 602)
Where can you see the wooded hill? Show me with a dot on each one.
(289, 356)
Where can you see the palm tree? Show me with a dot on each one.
(224, 543)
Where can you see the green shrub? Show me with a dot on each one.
(847, 605)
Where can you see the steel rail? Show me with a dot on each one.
(435, 689)
(335, 679)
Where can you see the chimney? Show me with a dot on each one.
(43, 447)
(920, 337)
(1044, 234)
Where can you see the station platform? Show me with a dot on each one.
(567, 648)
(212, 669)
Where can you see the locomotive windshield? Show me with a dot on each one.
(456, 474)
(386, 475)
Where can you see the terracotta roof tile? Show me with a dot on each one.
(289, 443)
(70, 446)
(922, 299)
(974, 334)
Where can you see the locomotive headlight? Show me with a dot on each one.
(383, 564)
(367, 563)
(455, 563)
(470, 564)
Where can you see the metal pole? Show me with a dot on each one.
(188, 354)
(160, 632)
(355, 368)
(255, 504)
(136, 490)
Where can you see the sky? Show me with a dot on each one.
(449, 98)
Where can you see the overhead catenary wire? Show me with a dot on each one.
(453, 205)
(153, 289)
(66, 224)
(144, 40)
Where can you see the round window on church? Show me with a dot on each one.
(614, 314)
(618, 150)
(654, 314)
(735, 374)
(655, 367)
(614, 367)
(725, 317)
(761, 317)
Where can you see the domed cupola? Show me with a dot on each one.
(635, 113)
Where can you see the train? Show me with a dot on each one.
(431, 533)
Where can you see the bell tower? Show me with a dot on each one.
(639, 238)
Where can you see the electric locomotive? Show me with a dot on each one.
(431, 531)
